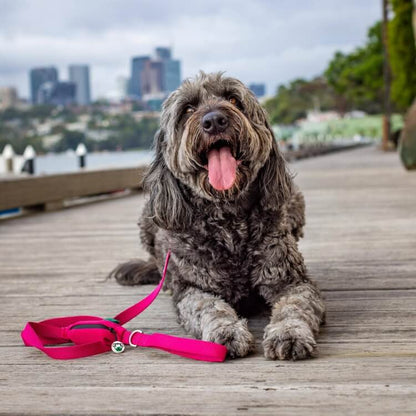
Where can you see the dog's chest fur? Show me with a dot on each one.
(217, 252)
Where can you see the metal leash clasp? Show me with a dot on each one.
(136, 331)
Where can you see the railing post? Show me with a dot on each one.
(8, 157)
(29, 160)
(81, 152)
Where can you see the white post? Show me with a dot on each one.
(29, 160)
(81, 152)
(8, 157)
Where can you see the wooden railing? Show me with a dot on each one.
(50, 191)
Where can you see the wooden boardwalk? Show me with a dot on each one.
(360, 245)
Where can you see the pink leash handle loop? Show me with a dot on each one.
(42, 335)
(93, 335)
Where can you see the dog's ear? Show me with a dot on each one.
(275, 180)
(167, 205)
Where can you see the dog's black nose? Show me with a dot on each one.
(214, 122)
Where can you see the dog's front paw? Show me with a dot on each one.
(290, 339)
(135, 272)
(235, 336)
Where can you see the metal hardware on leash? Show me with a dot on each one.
(117, 347)
(136, 331)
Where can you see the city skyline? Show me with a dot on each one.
(46, 87)
(262, 42)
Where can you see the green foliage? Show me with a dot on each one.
(66, 115)
(124, 131)
(132, 134)
(357, 77)
(15, 126)
(19, 143)
(70, 140)
(127, 133)
(402, 54)
(292, 101)
(35, 112)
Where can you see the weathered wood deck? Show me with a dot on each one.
(360, 245)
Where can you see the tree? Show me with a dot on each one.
(358, 76)
(70, 140)
(402, 54)
(292, 101)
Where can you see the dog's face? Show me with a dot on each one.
(215, 140)
(215, 136)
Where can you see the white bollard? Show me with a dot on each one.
(29, 160)
(81, 152)
(8, 156)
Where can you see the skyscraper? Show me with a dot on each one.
(171, 75)
(158, 76)
(138, 83)
(39, 76)
(163, 53)
(80, 76)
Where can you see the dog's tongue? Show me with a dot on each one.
(221, 168)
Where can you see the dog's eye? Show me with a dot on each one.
(189, 109)
(233, 100)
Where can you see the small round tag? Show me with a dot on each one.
(117, 347)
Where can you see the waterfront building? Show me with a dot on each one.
(57, 93)
(39, 76)
(8, 97)
(80, 76)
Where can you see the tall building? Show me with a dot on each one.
(80, 76)
(39, 76)
(154, 77)
(57, 93)
(163, 53)
(171, 75)
(8, 97)
(138, 81)
(258, 89)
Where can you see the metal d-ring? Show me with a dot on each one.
(136, 331)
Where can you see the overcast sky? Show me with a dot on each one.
(271, 41)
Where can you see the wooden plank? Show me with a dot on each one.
(31, 191)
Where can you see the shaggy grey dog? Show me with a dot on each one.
(222, 199)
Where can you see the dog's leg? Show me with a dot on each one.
(210, 318)
(136, 272)
(296, 317)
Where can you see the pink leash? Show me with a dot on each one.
(92, 335)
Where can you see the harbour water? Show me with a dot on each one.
(68, 162)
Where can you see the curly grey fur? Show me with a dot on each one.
(228, 246)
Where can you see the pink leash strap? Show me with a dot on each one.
(90, 335)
